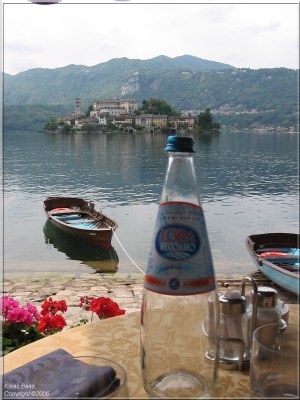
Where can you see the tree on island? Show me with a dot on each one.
(51, 125)
(66, 128)
(90, 108)
(157, 107)
(206, 123)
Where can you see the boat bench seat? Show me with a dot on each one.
(290, 267)
(66, 217)
(84, 225)
(290, 263)
(75, 222)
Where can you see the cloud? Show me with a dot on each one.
(243, 35)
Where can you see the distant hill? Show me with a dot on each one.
(185, 82)
(115, 78)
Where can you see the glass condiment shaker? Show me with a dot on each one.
(234, 344)
(267, 310)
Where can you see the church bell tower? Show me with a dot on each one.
(77, 108)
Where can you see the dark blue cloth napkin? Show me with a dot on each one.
(71, 378)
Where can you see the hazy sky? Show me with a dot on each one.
(74, 32)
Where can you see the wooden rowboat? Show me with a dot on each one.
(78, 217)
(276, 255)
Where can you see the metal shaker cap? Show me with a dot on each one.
(267, 297)
(232, 303)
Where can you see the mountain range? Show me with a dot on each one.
(185, 82)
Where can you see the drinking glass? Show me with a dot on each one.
(274, 365)
(81, 377)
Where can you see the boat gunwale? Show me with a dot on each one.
(283, 270)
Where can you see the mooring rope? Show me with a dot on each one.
(127, 253)
(114, 233)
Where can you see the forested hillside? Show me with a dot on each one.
(245, 96)
(30, 117)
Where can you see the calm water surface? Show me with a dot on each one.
(248, 184)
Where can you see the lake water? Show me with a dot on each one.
(248, 184)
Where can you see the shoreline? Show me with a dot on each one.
(125, 289)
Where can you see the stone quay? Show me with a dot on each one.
(125, 289)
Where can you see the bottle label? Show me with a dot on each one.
(180, 261)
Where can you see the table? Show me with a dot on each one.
(119, 339)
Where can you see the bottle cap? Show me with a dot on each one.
(267, 297)
(232, 303)
(182, 144)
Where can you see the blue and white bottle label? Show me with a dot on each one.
(180, 261)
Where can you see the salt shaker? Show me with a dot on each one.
(234, 343)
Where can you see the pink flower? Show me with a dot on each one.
(19, 315)
(33, 311)
(13, 313)
(8, 303)
(23, 325)
(28, 319)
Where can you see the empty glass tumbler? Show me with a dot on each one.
(274, 365)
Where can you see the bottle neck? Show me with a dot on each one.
(180, 181)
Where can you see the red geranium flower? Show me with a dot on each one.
(50, 306)
(85, 303)
(50, 321)
(23, 325)
(104, 307)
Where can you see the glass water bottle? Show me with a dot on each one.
(179, 295)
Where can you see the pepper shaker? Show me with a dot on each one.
(267, 310)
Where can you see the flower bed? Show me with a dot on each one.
(22, 325)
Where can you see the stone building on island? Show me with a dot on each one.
(122, 113)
